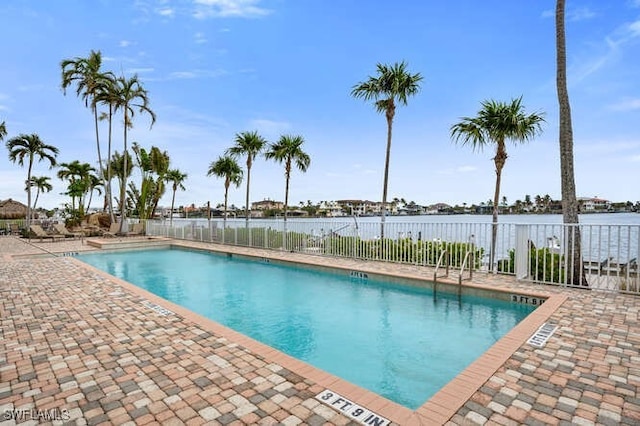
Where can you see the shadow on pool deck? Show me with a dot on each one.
(80, 341)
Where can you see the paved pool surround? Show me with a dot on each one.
(79, 340)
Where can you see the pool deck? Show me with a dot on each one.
(88, 348)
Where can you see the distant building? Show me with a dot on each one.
(593, 204)
(365, 207)
(267, 205)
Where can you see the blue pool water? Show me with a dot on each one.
(398, 341)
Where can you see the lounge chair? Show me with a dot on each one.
(62, 230)
(41, 233)
(113, 230)
(136, 229)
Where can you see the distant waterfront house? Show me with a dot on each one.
(267, 205)
(593, 204)
(365, 207)
(330, 209)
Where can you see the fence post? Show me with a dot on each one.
(521, 266)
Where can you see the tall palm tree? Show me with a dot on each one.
(496, 123)
(131, 96)
(90, 82)
(31, 147)
(393, 84)
(176, 178)
(249, 144)
(227, 168)
(288, 150)
(108, 95)
(567, 175)
(42, 185)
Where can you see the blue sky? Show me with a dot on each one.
(217, 67)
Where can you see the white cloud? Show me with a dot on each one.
(139, 70)
(124, 43)
(166, 12)
(268, 128)
(181, 75)
(200, 38)
(228, 8)
(571, 15)
(466, 169)
(580, 14)
(635, 158)
(626, 105)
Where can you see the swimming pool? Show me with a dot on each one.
(398, 341)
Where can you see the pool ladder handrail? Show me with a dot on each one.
(444, 256)
(468, 254)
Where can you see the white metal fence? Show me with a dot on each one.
(606, 258)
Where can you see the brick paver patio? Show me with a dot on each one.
(83, 346)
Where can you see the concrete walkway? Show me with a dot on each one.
(81, 347)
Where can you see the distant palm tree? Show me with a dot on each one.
(90, 82)
(227, 168)
(567, 174)
(42, 185)
(3, 130)
(129, 96)
(117, 166)
(176, 178)
(393, 83)
(94, 183)
(248, 144)
(30, 146)
(288, 150)
(79, 176)
(495, 123)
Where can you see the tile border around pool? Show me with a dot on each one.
(437, 410)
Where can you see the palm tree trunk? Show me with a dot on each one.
(286, 203)
(173, 200)
(108, 177)
(36, 200)
(224, 217)
(95, 117)
(494, 221)
(29, 193)
(390, 113)
(573, 255)
(246, 203)
(123, 206)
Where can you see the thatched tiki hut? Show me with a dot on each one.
(11, 209)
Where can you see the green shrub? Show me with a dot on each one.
(544, 265)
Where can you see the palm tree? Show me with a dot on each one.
(3, 130)
(108, 95)
(130, 95)
(90, 83)
(495, 123)
(288, 150)
(393, 84)
(80, 179)
(30, 146)
(176, 178)
(42, 185)
(249, 144)
(226, 167)
(117, 166)
(94, 182)
(567, 176)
